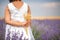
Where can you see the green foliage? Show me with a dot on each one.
(35, 33)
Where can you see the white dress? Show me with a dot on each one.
(18, 33)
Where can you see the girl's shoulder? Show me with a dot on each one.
(10, 6)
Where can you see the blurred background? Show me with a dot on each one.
(45, 21)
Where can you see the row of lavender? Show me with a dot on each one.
(46, 29)
(2, 29)
(42, 29)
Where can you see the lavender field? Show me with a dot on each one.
(42, 29)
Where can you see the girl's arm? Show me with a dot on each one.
(29, 14)
(9, 21)
(28, 17)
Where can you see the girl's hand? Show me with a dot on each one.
(24, 23)
(27, 24)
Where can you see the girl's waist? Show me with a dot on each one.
(10, 26)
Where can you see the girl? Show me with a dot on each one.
(18, 21)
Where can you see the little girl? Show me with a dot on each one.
(18, 20)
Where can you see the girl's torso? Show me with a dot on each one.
(18, 14)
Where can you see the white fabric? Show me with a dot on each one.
(17, 15)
